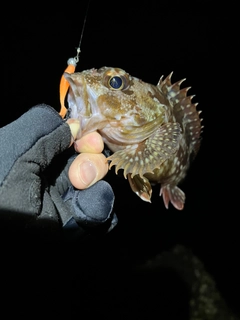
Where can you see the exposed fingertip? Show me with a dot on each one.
(86, 169)
(74, 125)
(87, 172)
(90, 143)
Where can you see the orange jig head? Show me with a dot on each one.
(64, 85)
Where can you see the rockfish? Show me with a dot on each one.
(153, 131)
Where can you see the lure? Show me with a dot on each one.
(72, 63)
(64, 84)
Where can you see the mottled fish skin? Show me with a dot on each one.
(153, 131)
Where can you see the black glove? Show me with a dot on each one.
(35, 191)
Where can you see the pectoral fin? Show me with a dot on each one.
(144, 157)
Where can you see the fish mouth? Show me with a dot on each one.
(77, 98)
(82, 103)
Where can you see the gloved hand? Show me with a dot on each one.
(35, 190)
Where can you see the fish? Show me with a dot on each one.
(152, 131)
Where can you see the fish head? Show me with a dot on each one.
(124, 109)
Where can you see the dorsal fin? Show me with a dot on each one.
(184, 110)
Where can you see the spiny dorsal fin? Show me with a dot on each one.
(184, 110)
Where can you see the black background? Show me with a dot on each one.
(147, 40)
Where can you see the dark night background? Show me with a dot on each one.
(146, 40)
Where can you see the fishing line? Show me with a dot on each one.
(76, 58)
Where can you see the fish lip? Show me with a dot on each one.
(82, 102)
(76, 95)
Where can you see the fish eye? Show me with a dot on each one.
(116, 83)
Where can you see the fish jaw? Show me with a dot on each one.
(77, 97)
(82, 104)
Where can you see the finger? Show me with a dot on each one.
(87, 169)
(90, 143)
